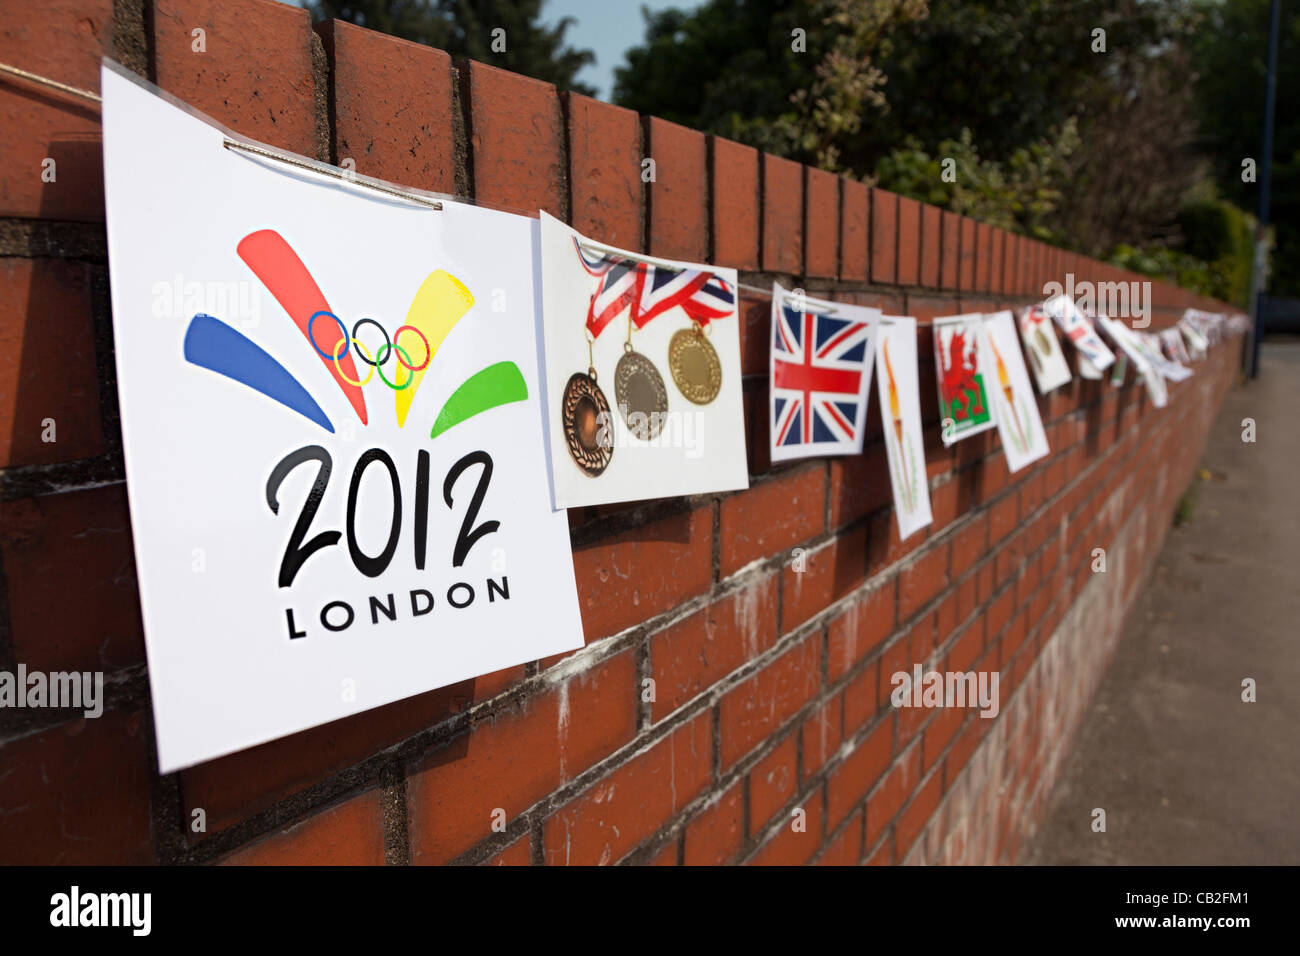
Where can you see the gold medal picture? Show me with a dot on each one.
(694, 365)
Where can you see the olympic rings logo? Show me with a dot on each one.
(390, 347)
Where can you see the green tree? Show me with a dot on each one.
(466, 29)
(1231, 53)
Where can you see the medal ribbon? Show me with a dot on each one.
(630, 284)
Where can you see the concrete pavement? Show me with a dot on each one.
(1186, 771)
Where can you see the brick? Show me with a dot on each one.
(931, 245)
(968, 256)
(997, 268)
(519, 853)
(632, 576)
(940, 732)
(667, 854)
(884, 236)
(970, 544)
(611, 818)
(510, 763)
(734, 180)
(861, 699)
(1002, 519)
(236, 786)
(790, 846)
(78, 794)
(350, 834)
(693, 654)
(885, 800)
(255, 75)
(52, 541)
(859, 771)
(821, 226)
(830, 572)
(909, 241)
(392, 107)
(845, 848)
(771, 517)
(755, 317)
(516, 140)
(820, 736)
(918, 813)
(860, 629)
(925, 308)
(598, 713)
(983, 257)
(859, 484)
(751, 711)
(61, 39)
(782, 215)
(49, 370)
(772, 782)
(605, 171)
(921, 581)
(855, 207)
(714, 836)
(951, 253)
(676, 201)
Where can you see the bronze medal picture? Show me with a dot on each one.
(585, 416)
(694, 365)
(641, 395)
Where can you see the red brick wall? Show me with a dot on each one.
(770, 686)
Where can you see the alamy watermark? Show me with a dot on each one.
(238, 303)
(1119, 300)
(922, 688)
(59, 689)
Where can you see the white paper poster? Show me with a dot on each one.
(1172, 340)
(1127, 342)
(1019, 424)
(1150, 345)
(1042, 349)
(821, 361)
(1078, 329)
(332, 424)
(900, 414)
(962, 365)
(1197, 344)
(642, 373)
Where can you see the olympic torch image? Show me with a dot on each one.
(898, 426)
(1005, 382)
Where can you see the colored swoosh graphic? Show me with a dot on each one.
(273, 261)
(214, 345)
(496, 385)
(440, 303)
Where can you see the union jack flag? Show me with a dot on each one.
(819, 392)
(650, 290)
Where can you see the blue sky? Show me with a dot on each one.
(607, 27)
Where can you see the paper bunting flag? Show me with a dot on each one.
(1118, 369)
(1078, 329)
(1150, 345)
(643, 396)
(900, 414)
(1127, 342)
(821, 361)
(1172, 340)
(1019, 424)
(1197, 344)
(962, 365)
(1041, 348)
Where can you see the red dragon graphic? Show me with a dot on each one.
(959, 378)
